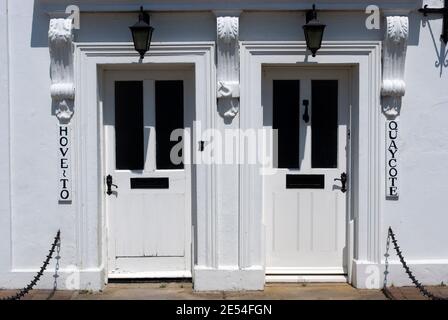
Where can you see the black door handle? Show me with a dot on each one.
(109, 183)
(343, 180)
(201, 146)
(306, 114)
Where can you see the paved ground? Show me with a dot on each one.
(175, 291)
(411, 293)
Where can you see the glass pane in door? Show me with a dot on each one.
(324, 124)
(169, 117)
(129, 125)
(286, 120)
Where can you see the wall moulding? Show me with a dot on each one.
(394, 57)
(361, 58)
(62, 90)
(92, 59)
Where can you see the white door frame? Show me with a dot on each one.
(363, 227)
(91, 59)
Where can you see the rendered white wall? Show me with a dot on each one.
(35, 215)
(28, 132)
(419, 217)
(5, 208)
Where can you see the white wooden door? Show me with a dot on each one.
(304, 206)
(149, 209)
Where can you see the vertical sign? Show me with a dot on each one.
(392, 176)
(64, 163)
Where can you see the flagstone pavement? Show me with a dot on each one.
(184, 291)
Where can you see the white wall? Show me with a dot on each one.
(35, 216)
(420, 217)
(5, 208)
(28, 168)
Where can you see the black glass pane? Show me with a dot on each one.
(129, 125)
(169, 117)
(324, 124)
(286, 119)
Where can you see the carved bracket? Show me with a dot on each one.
(394, 58)
(60, 37)
(228, 69)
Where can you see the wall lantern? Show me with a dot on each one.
(314, 31)
(142, 33)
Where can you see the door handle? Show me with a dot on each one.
(109, 183)
(343, 180)
(201, 146)
(306, 114)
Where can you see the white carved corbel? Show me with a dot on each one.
(394, 58)
(228, 66)
(60, 37)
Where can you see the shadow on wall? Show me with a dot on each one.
(440, 48)
(114, 27)
(431, 26)
(39, 32)
(178, 26)
(282, 26)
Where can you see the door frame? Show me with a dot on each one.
(363, 58)
(284, 72)
(91, 59)
(162, 72)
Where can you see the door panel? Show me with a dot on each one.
(149, 211)
(138, 235)
(305, 218)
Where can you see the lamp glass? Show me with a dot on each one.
(314, 32)
(142, 38)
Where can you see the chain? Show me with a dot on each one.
(417, 284)
(56, 268)
(385, 290)
(19, 295)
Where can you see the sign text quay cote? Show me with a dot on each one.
(392, 171)
(64, 164)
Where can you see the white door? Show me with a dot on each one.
(149, 200)
(304, 202)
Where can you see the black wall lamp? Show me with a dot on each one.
(142, 33)
(425, 10)
(314, 31)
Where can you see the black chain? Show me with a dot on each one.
(417, 284)
(19, 295)
(385, 290)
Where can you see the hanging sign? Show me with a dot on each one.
(392, 171)
(64, 164)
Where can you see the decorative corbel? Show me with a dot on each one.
(394, 58)
(228, 69)
(60, 37)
